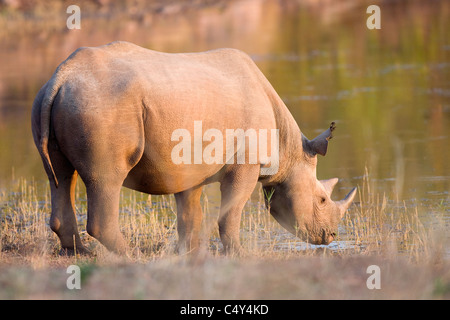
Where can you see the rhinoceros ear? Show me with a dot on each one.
(319, 144)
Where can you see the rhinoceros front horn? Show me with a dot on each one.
(346, 202)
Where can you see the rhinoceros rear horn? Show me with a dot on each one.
(319, 144)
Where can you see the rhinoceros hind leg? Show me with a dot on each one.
(63, 220)
(103, 215)
(189, 219)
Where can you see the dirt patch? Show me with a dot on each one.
(218, 277)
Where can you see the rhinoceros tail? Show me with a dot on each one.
(46, 112)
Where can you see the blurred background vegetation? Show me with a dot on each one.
(388, 89)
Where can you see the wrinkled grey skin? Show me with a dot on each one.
(108, 113)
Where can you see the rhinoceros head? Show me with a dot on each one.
(301, 203)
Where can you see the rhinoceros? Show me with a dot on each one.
(111, 113)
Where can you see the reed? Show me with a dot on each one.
(376, 224)
(400, 238)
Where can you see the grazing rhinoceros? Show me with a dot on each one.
(120, 114)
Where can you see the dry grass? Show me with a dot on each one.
(379, 225)
(410, 252)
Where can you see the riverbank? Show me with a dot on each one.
(411, 259)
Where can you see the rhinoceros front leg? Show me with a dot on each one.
(189, 219)
(236, 188)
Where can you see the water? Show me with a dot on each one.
(388, 90)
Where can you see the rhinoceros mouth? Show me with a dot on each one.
(324, 239)
(332, 236)
(328, 237)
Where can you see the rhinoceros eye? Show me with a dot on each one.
(322, 200)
